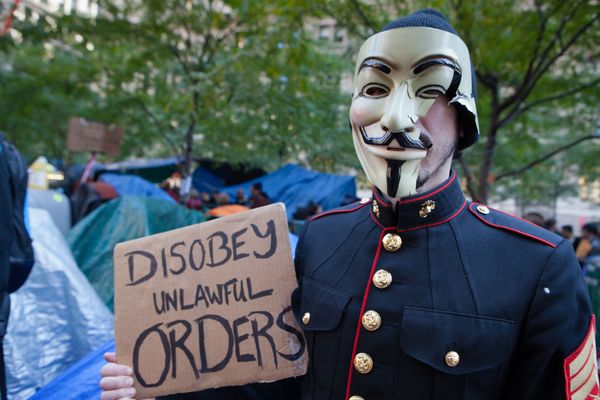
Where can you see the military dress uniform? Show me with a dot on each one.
(441, 298)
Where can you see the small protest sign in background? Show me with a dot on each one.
(86, 135)
(209, 305)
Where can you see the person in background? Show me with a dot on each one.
(566, 231)
(258, 198)
(310, 210)
(550, 224)
(589, 244)
(240, 197)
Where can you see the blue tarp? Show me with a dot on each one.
(295, 186)
(80, 382)
(205, 181)
(131, 185)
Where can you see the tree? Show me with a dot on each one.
(537, 69)
(239, 81)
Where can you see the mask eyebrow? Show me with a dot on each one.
(375, 63)
(431, 62)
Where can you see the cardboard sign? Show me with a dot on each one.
(209, 305)
(93, 136)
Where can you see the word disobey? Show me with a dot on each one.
(216, 250)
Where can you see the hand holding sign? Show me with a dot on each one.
(208, 305)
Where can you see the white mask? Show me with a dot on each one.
(399, 74)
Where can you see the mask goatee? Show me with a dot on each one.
(393, 176)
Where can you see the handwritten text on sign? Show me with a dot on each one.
(209, 305)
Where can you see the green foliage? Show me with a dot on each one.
(242, 78)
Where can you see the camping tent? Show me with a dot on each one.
(93, 239)
(131, 185)
(56, 317)
(296, 186)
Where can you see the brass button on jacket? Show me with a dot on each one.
(382, 279)
(392, 242)
(371, 320)
(483, 209)
(363, 363)
(452, 359)
(356, 398)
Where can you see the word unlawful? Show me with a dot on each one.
(214, 251)
(233, 290)
(174, 337)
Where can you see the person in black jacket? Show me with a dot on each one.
(16, 251)
(418, 293)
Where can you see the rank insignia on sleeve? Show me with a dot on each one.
(581, 374)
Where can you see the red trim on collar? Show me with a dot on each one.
(362, 310)
(380, 200)
(438, 222)
(452, 179)
(507, 228)
(339, 211)
(422, 226)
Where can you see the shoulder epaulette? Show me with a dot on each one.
(511, 223)
(346, 209)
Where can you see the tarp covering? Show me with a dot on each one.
(154, 170)
(296, 186)
(56, 318)
(205, 181)
(57, 205)
(131, 185)
(80, 382)
(93, 239)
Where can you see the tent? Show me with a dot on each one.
(57, 205)
(93, 239)
(296, 186)
(56, 317)
(153, 170)
(134, 186)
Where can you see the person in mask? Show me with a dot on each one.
(418, 293)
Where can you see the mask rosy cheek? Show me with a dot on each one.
(365, 114)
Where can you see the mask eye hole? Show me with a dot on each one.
(430, 91)
(375, 90)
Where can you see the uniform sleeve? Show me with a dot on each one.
(555, 356)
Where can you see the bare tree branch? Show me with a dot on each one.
(522, 94)
(545, 157)
(526, 107)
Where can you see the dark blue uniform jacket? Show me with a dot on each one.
(481, 304)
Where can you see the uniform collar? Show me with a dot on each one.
(433, 207)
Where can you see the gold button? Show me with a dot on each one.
(452, 359)
(382, 279)
(371, 320)
(363, 363)
(306, 318)
(364, 200)
(391, 242)
(483, 209)
(356, 398)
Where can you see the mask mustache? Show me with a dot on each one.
(403, 139)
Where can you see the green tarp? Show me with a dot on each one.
(93, 239)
